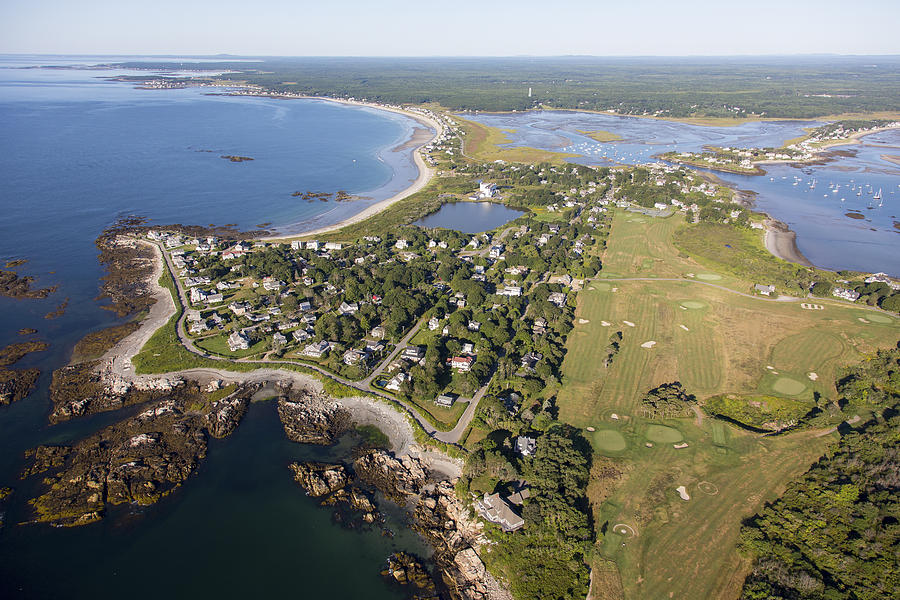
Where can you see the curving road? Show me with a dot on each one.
(120, 357)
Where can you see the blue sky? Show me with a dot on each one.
(457, 27)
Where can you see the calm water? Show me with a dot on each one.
(824, 234)
(470, 217)
(76, 152)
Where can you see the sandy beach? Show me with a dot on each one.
(419, 138)
(782, 243)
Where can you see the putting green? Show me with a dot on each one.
(609, 440)
(876, 318)
(602, 287)
(788, 386)
(693, 304)
(709, 276)
(662, 434)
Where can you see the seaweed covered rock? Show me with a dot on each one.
(88, 388)
(319, 479)
(16, 384)
(138, 460)
(407, 570)
(312, 419)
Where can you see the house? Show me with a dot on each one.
(348, 309)
(474, 326)
(374, 346)
(313, 245)
(495, 510)
(433, 323)
(461, 363)
(377, 332)
(351, 357)
(305, 305)
(279, 340)
(540, 326)
(445, 400)
(530, 360)
(413, 353)
(317, 349)
(271, 284)
(301, 335)
(296, 245)
(333, 245)
(199, 327)
(496, 251)
(486, 190)
(521, 493)
(214, 298)
(468, 348)
(198, 295)
(239, 308)
(765, 290)
(557, 298)
(401, 244)
(525, 446)
(846, 294)
(396, 381)
(510, 290)
(238, 341)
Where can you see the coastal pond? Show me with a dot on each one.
(470, 217)
(817, 201)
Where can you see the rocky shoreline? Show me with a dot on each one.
(138, 460)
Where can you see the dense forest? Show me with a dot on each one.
(799, 87)
(835, 533)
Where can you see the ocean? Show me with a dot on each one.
(77, 153)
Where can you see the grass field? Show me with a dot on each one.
(483, 143)
(774, 355)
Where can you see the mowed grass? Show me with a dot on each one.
(688, 549)
(714, 341)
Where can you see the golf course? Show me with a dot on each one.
(672, 492)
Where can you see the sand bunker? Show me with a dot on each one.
(812, 376)
(605, 323)
(680, 446)
(649, 344)
(583, 321)
(683, 327)
(629, 323)
(591, 428)
(682, 491)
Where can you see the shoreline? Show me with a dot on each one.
(115, 366)
(781, 242)
(425, 173)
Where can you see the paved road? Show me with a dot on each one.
(364, 386)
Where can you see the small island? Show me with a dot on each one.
(236, 159)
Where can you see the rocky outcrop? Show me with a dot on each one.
(14, 286)
(138, 460)
(440, 516)
(310, 418)
(336, 486)
(406, 570)
(16, 384)
(319, 479)
(90, 387)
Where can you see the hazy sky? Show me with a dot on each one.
(458, 27)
